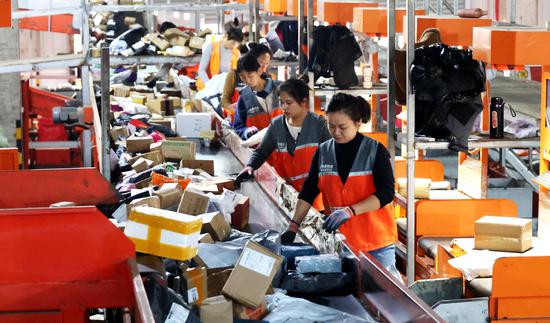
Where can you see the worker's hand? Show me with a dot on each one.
(336, 219)
(250, 131)
(243, 176)
(290, 234)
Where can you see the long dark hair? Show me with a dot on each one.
(357, 108)
(297, 89)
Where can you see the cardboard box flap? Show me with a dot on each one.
(177, 222)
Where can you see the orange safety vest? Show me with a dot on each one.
(295, 168)
(256, 116)
(367, 231)
(214, 65)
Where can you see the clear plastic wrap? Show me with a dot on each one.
(284, 309)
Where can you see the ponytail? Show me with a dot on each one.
(356, 107)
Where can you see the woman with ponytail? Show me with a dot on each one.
(354, 175)
(291, 139)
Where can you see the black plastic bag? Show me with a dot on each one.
(162, 300)
(296, 283)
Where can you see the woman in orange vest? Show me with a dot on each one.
(233, 83)
(219, 56)
(291, 139)
(355, 177)
(258, 102)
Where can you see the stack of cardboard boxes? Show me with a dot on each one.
(173, 42)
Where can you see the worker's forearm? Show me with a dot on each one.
(372, 203)
(302, 207)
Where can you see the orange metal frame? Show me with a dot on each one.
(41, 188)
(432, 169)
(55, 23)
(455, 218)
(60, 262)
(520, 290)
(5, 13)
(374, 21)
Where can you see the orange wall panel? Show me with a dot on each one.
(454, 31)
(335, 12)
(374, 21)
(292, 7)
(507, 46)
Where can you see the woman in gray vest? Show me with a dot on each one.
(291, 139)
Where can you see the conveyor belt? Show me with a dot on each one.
(264, 214)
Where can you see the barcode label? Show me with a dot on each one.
(177, 314)
(192, 295)
(257, 261)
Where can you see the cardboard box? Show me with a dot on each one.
(191, 124)
(246, 313)
(503, 234)
(206, 165)
(119, 131)
(239, 218)
(163, 233)
(163, 122)
(204, 187)
(153, 262)
(159, 41)
(155, 156)
(169, 195)
(217, 279)
(152, 201)
(196, 42)
(222, 182)
(206, 238)
(216, 310)
(175, 102)
(255, 269)
(422, 187)
(139, 99)
(195, 284)
(138, 144)
(179, 41)
(168, 92)
(173, 32)
(142, 164)
(155, 146)
(121, 91)
(157, 106)
(129, 21)
(193, 203)
(215, 224)
(178, 149)
(143, 183)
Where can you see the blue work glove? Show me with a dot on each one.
(336, 219)
(250, 131)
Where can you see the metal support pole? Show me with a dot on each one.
(513, 8)
(390, 129)
(257, 20)
(455, 7)
(439, 7)
(197, 20)
(251, 16)
(105, 109)
(411, 217)
(301, 62)
(427, 6)
(150, 17)
(309, 35)
(85, 70)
